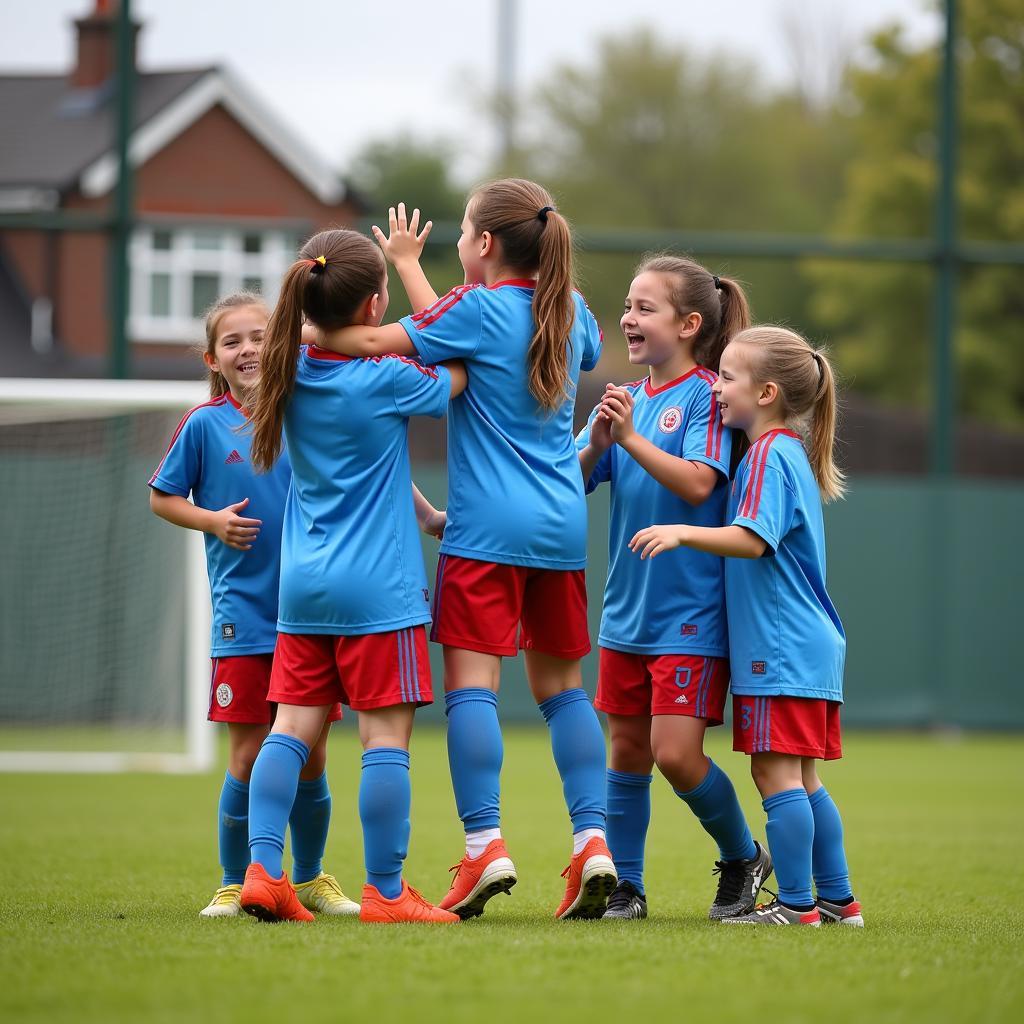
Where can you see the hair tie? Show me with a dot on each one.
(542, 213)
(816, 356)
(718, 283)
(316, 265)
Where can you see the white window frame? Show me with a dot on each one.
(183, 259)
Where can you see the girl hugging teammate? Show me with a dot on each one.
(664, 669)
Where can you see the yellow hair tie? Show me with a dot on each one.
(322, 260)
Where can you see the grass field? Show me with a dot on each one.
(104, 876)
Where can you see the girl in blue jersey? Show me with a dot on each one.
(664, 670)
(240, 514)
(511, 571)
(786, 643)
(353, 596)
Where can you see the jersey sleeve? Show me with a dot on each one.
(420, 390)
(706, 439)
(449, 329)
(180, 469)
(593, 339)
(603, 470)
(767, 503)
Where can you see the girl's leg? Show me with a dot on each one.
(275, 778)
(629, 794)
(310, 818)
(244, 741)
(678, 745)
(385, 795)
(576, 741)
(828, 856)
(790, 828)
(475, 749)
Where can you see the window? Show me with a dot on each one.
(179, 272)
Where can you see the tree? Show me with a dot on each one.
(880, 316)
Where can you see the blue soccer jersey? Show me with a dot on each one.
(784, 634)
(514, 490)
(351, 561)
(675, 603)
(209, 459)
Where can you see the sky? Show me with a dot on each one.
(343, 73)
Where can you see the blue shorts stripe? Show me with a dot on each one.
(401, 668)
(418, 695)
(767, 725)
(758, 721)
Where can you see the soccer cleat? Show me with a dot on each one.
(408, 907)
(590, 881)
(739, 882)
(776, 913)
(841, 913)
(324, 895)
(271, 899)
(224, 903)
(477, 879)
(626, 903)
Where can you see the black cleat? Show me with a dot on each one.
(739, 882)
(626, 903)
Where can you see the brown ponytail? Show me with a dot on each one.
(535, 238)
(807, 385)
(336, 272)
(720, 301)
(218, 385)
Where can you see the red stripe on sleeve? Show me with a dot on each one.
(439, 308)
(220, 400)
(753, 460)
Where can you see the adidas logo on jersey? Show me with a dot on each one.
(233, 458)
(681, 699)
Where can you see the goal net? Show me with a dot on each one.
(104, 609)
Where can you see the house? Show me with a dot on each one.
(224, 195)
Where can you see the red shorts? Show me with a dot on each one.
(479, 606)
(239, 688)
(375, 670)
(662, 684)
(786, 725)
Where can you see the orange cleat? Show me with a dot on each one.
(271, 899)
(591, 880)
(408, 907)
(477, 879)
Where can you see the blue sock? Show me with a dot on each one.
(275, 777)
(233, 829)
(717, 809)
(475, 753)
(578, 745)
(384, 801)
(828, 858)
(309, 821)
(790, 833)
(629, 814)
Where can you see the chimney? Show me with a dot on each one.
(97, 45)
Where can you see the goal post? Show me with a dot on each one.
(104, 609)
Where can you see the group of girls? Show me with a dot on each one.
(309, 418)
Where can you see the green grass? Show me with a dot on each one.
(104, 876)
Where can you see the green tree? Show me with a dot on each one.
(879, 316)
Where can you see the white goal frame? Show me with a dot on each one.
(30, 400)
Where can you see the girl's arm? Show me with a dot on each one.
(431, 520)
(691, 481)
(363, 341)
(403, 248)
(727, 541)
(225, 524)
(460, 377)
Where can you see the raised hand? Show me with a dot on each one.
(235, 530)
(402, 243)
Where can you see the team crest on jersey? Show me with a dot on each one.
(758, 668)
(670, 420)
(688, 629)
(227, 631)
(225, 695)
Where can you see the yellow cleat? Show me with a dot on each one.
(324, 895)
(226, 902)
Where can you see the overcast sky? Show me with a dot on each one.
(343, 73)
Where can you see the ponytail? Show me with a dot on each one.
(720, 301)
(535, 238)
(807, 386)
(336, 272)
(831, 480)
(278, 358)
